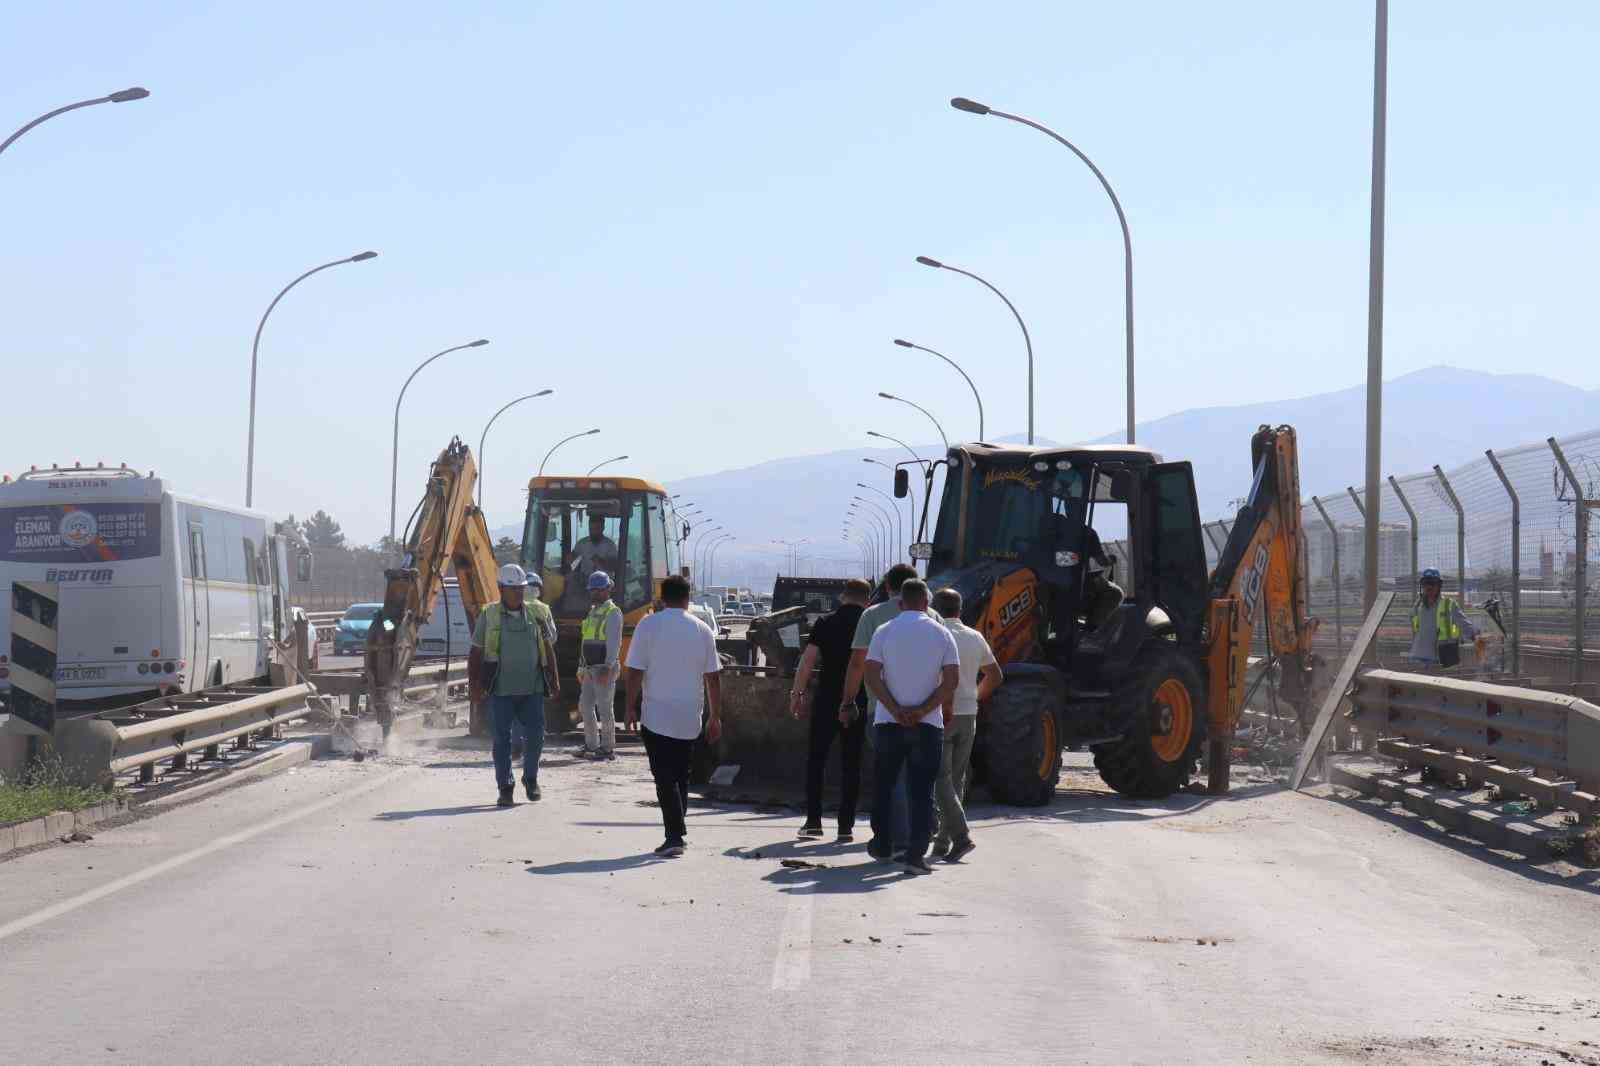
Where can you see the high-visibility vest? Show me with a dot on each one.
(491, 640)
(594, 625)
(1444, 618)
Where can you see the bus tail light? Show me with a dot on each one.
(144, 668)
(169, 667)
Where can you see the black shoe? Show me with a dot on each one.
(938, 851)
(917, 865)
(961, 850)
(532, 788)
(878, 851)
(505, 799)
(670, 849)
(810, 832)
(845, 836)
(898, 855)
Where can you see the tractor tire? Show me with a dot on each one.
(1022, 747)
(1165, 699)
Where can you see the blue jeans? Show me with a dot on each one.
(527, 710)
(900, 819)
(920, 751)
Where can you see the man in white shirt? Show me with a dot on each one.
(979, 676)
(672, 670)
(912, 669)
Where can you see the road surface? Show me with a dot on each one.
(386, 913)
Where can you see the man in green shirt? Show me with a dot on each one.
(505, 667)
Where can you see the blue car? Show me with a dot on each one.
(350, 638)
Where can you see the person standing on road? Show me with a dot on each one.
(912, 669)
(979, 676)
(828, 655)
(505, 666)
(532, 591)
(673, 673)
(597, 671)
(873, 617)
(1435, 619)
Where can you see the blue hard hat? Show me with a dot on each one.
(1430, 574)
(599, 580)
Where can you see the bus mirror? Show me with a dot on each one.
(304, 564)
(902, 483)
(922, 551)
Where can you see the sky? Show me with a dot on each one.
(697, 223)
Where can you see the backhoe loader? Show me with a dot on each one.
(1144, 671)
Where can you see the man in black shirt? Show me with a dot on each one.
(828, 654)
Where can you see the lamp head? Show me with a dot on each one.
(479, 343)
(362, 257)
(122, 96)
(904, 344)
(972, 107)
(591, 433)
(887, 396)
(544, 392)
(927, 262)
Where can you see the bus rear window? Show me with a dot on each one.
(80, 533)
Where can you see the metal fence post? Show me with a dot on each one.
(1355, 498)
(1461, 534)
(1207, 527)
(1338, 602)
(1580, 569)
(1416, 563)
(1516, 563)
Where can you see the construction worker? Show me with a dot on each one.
(506, 667)
(534, 590)
(1438, 619)
(594, 552)
(598, 656)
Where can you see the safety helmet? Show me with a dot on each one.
(599, 580)
(1430, 574)
(535, 581)
(512, 576)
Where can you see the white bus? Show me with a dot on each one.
(158, 592)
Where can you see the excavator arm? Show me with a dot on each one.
(446, 528)
(1260, 578)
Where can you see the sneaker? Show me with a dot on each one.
(810, 832)
(505, 799)
(916, 866)
(532, 788)
(960, 851)
(670, 849)
(878, 851)
(586, 753)
(845, 836)
(939, 850)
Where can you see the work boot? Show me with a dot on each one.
(532, 788)
(505, 799)
(811, 832)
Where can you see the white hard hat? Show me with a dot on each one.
(512, 575)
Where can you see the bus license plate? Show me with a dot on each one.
(81, 673)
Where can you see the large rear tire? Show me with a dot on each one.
(1165, 700)
(1022, 745)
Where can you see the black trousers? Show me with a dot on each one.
(825, 728)
(669, 765)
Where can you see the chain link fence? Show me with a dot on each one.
(340, 577)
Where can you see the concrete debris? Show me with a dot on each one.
(77, 836)
(802, 864)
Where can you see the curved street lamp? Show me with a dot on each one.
(603, 462)
(255, 349)
(927, 468)
(890, 467)
(394, 454)
(874, 525)
(1026, 340)
(899, 516)
(559, 443)
(924, 410)
(121, 96)
(963, 373)
(961, 103)
(711, 553)
(485, 434)
(877, 512)
(695, 549)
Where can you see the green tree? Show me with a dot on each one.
(506, 550)
(321, 531)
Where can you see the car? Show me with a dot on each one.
(747, 609)
(350, 636)
(705, 614)
(314, 660)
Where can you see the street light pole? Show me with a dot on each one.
(889, 467)
(559, 443)
(394, 453)
(1380, 98)
(485, 434)
(888, 525)
(711, 556)
(255, 351)
(924, 410)
(894, 510)
(963, 373)
(961, 103)
(603, 462)
(1026, 340)
(121, 96)
(927, 468)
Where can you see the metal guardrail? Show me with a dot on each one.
(1542, 745)
(142, 744)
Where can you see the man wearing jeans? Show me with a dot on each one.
(673, 671)
(913, 667)
(505, 666)
(979, 677)
(598, 654)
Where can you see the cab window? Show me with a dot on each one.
(635, 578)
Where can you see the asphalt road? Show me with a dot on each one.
(385, 913)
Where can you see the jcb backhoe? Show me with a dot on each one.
(1140, 665)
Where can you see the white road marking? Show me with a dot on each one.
(67, 906)
(792, 968)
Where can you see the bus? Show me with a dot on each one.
(158, 593)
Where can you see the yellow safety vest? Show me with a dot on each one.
(1444, 618)
(491, 639)
(594, 626)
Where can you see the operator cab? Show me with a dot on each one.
(577, 525)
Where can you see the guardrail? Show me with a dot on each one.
(1541, 745)
(142, 744)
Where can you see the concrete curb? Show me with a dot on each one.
(1472, 818)
(52, 827)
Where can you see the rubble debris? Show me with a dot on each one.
(801, 864)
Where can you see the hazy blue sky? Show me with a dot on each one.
(697, 221)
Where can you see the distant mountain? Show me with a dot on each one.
(1439, 415)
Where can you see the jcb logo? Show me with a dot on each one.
(1250, 588)
(1015, 608)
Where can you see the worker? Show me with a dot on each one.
(673, 674)
(979, 676)
(598, 653)
(506, 667)
(1437, 620)
(828, 655)
(594, 552)
(913, 668)
(534, 591)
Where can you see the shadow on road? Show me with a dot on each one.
(838, 880)
(599, 866)
(438, 812)
(478, 764)
(1092, 805)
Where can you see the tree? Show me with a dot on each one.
(321, 531)
(506, 550)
